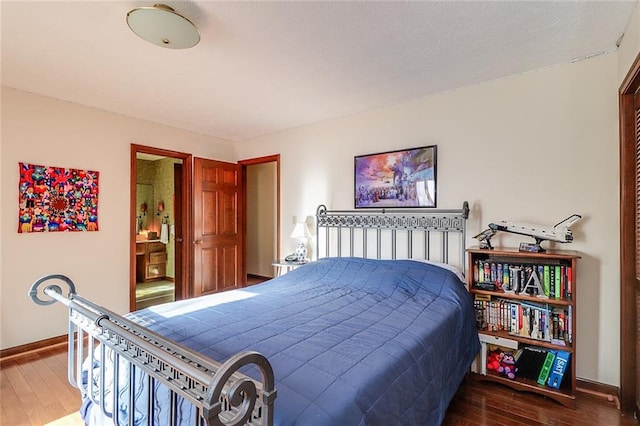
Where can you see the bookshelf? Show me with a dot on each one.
(523, 313)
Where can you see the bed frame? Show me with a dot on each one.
(220, 393)
(393, 234)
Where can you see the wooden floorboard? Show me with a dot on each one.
(486, 403)
(34, 391)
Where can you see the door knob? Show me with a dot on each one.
(199, 242)
(178, 240)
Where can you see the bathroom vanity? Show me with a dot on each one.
(151, 260)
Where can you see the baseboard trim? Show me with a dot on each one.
(258, 276)
(609, 392)
(31, 348)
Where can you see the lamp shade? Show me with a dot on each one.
(162, 26)
(300, 231)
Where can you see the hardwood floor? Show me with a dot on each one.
(256, 279)
(34, 391)
(486, 403)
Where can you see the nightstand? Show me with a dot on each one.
(283, 266)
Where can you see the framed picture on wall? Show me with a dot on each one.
(403, 178)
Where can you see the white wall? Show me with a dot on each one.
(41, 130)
(533, 147)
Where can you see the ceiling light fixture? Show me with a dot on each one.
(161, 25)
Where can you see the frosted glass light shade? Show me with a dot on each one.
(300, 231)
(162, 26)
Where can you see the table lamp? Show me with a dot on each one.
(301, 232)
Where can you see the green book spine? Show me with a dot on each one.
(547, 287)
(558, 287)
(546, 368)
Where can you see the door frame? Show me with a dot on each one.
(252, 162)
(187, 214)
(628, 309)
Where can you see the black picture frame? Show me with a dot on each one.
(405, 178)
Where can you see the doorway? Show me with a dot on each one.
(181, 228)
(160, 224)
(261, 183)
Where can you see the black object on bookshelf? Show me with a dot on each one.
(527, 300)
(530, 362)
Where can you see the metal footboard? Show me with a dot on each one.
(143, 360)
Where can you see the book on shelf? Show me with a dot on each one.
(558, 317)
(546, 367)
(529, 362)
(555, 280)
(558, 369)
(538, 321)
(570, 324)
(545, 283)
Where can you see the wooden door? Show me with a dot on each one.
(636, 275)
(180, 291)
(217, 245)
(630, 241)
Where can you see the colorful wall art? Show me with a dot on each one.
(55, 199)
(404, 178)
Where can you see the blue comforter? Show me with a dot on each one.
(352, 341)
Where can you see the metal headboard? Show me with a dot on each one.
(394, 234)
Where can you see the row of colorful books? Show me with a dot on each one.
(545, 366)
(556, 281)
(531, 320)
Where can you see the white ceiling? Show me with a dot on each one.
(263, 67)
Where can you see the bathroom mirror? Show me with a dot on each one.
(145, 209)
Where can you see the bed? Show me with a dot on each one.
(365, 335)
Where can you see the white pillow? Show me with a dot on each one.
(446, 266)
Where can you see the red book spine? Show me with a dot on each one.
(520, 320)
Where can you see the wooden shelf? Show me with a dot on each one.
(528, 341)
(512, 257)
(502, 252)
(550, 301)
